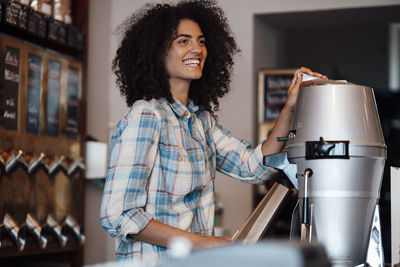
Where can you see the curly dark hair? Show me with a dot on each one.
(148, 34)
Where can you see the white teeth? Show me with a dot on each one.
(191, 62)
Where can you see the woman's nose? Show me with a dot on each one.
(195, 48)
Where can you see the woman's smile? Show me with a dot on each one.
(192, 62)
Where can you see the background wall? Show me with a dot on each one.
(105, 106)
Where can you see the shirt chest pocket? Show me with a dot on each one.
(176, 169)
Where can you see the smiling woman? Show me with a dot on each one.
(172, 66)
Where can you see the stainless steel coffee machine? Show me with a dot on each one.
(336, 141)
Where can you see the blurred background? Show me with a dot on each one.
(357, 41)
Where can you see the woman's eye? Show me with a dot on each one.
(202, 42)
(182, 41)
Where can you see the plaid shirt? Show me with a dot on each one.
(162, 164)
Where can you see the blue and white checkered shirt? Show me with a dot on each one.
(162, 164)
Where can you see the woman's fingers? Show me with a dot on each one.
(296, 79)
(310, 72)
(293, 90)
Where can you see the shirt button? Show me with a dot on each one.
(180, 158)
(188, 134)
(199, 158)
(185, 113)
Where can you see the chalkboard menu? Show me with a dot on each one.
(10, 91)
(73, 103)
(53, 98)
(34, 83)
(276, 88)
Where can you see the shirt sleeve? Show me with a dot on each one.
(133, 148)
(237, 159)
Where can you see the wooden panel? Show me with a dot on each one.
(264, 214)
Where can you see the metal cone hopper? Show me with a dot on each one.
(337, 143)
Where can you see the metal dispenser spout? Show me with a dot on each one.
(58, 165)
(37, 230)
(72, 225)
(76, 167)
(15, 233)
(37, 163)
(14, 161)
(56, 230)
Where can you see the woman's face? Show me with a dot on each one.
(187, 54)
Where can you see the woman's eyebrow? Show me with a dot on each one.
(187, 36)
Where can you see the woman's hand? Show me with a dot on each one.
(212, 241)
(294, 87)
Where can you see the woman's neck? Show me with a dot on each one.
(180, 90)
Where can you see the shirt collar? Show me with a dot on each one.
(180, 109)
